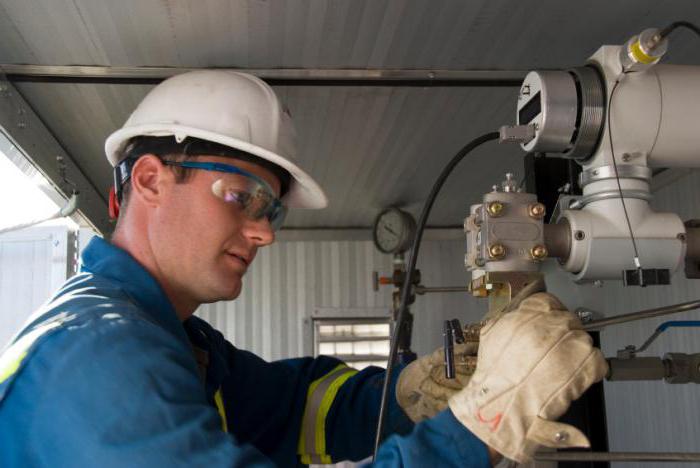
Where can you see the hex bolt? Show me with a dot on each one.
(497, 251)
(538, 252)
(495, 209)
(536, 210)
(579, 235)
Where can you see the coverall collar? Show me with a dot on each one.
(107, 260)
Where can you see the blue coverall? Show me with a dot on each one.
(106, 375)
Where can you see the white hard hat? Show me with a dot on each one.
(230, 108)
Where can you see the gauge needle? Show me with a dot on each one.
(390, 230)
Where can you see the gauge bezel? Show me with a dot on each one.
(407, 231)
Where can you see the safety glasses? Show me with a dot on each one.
(250, 192)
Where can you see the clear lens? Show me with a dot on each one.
(255, 199)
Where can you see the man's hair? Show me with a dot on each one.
(167, 148)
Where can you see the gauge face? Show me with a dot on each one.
(393, 231)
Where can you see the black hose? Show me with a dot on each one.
(406, 287)
(679, 24)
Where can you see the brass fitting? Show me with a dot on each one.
(495, 208)
(497, 251)
(538, 252)
(536, 210)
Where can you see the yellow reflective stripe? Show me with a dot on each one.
(323, 411)
(11, 367)
(319, 398)
(307, 412)
(12, 357)
(218, 399)
(639, 54)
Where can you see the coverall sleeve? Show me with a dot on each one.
(125, 394)
(322, 411)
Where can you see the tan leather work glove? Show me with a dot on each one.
(423, 390)
(533, 362)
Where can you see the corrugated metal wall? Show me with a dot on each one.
(289, 280)
(33, 264)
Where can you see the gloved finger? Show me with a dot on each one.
(457, 383)
(592, 368)
(436, 391)
(464, 367)
(556, 435)
(468, 348)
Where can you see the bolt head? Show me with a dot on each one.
(497, 251)
(538, 252)
(495, 208)
(561, 436)
(537, 210)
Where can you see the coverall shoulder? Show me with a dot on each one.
(105, 374)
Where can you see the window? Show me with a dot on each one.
(359, 342)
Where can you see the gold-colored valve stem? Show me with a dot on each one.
(538, 252)
(495, 208)
(537, 210)
(497, 251)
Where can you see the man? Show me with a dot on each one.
(116, 371)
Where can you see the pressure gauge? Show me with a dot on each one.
(393, 231)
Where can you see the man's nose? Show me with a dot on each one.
(259, 231)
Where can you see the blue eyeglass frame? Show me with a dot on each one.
(277, 205)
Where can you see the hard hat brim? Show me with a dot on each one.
(304, 192)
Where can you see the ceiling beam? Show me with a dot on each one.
(35, 140)
(274, 76)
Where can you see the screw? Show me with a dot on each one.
(584, 315)
(497, 251)
(579, 235)
(595, 172)
(561, 436)
(495, 209)
(431, 75)
(626, 157)
(479, 261)
(598, 284)
(681, 236)
(538, 252)
(536, 210)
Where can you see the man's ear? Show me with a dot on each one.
(148, 179)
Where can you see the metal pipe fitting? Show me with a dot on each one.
(557, 239)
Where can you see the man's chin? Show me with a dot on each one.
(223, 294)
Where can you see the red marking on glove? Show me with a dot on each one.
(493, 422)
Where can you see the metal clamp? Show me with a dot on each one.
(624, 171)
(609, 195)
